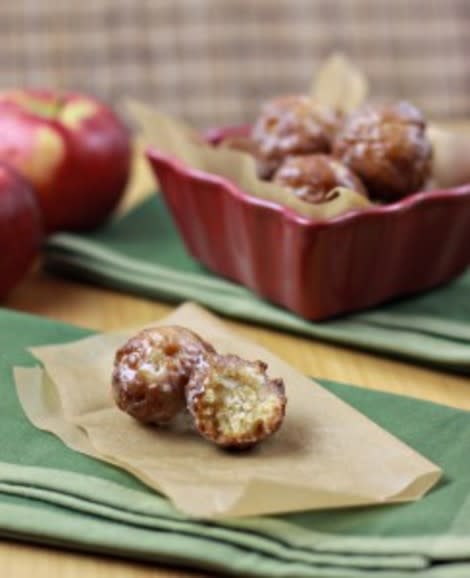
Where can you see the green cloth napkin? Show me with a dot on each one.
(50, 494)
(143, 254)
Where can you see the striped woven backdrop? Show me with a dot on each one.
(213, 61)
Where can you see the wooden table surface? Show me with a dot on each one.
(103, 309)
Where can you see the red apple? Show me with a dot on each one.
(20, 227)
(73, 149)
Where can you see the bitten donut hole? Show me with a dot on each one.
(238, 407)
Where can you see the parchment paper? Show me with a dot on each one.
(340, 84)
(326, 454)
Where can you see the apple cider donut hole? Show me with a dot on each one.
(388, 148)
(234, 403)
(152, 369)
(293, 125)
(312, 177)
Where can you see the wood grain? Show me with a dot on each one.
(104, 309)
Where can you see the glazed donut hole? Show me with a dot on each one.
(293, 125)
(233, 402)
(313, 178)
(388, 148)
(151, 371)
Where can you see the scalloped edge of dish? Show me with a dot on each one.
(405, 204)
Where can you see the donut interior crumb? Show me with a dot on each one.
(239, 406)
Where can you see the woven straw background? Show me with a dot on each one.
(213, 61)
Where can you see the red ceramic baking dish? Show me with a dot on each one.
(317, 269)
